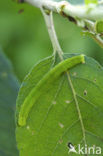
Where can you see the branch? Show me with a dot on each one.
(90, 12)
(86, 14)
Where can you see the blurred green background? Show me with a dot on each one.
(24, 38)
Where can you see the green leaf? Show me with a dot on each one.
(8, 93)
(91, 2)
(99, 26)
(68, 109)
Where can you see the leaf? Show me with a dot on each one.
(40, 87)
(68, 109)
(8, 92)
(91, 2)
(99, 26)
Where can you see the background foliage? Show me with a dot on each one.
(8, 92)
(24, 38)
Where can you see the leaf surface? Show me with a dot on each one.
(63, 113)
(8, 93)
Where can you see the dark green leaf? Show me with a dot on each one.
(8, 93)
(63, 112)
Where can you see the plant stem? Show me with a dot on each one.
(51, 30)
(56, 46)
(65, 8)
(80, 11)
(98, 39)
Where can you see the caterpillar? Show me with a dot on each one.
(53, 74)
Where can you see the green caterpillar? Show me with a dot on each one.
(50, 76)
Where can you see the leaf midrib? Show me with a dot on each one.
(77, 106)
(76, 102)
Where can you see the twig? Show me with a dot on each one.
(94, 12)
(98, 39)
(87, 14)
